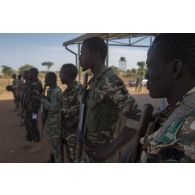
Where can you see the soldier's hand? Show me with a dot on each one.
(100, 151)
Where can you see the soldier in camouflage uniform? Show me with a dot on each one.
(18, 91)
(171, 75)
(70, 108)
(108, 104)
(24, 97)
(33, 102)
(14, 85)
(52, 103)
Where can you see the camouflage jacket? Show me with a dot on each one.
(174, 141)
(14, 84)
(19, 87)
(24, 93)
(71, 105)
(108, 105)
(34, 90)
(52, 103)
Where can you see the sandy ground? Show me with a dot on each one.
(14, 148)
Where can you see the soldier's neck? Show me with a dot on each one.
(178, 93)
(69, 83)
(97, 69)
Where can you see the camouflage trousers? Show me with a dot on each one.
(70, 143)
(23, 116)
(17, 102)
(56, 149)
(31, 127)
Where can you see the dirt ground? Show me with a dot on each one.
(14, 148)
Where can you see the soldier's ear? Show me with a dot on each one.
(177, 68)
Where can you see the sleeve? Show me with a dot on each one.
(186, 138)
(36, 89)
(52, 105)
(74, 105)
(127, 105)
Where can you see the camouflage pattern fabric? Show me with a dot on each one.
(70, 143)
(14, 85)
(34, 91)
(33, 102)
(52, 104)
(108, 105)
(18, 92)
(24, 101)
(175, 140)
(56, 149)
(70, 114)
(19, 87)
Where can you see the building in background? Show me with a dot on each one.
(123, 64)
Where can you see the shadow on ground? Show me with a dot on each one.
(13, 147)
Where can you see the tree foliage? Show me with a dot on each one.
(7, 71)
(25, 67)
(141, 69)
(48, 64)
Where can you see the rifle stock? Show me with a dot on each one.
(80, 128)
(134, 150)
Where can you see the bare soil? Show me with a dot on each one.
(13, 147)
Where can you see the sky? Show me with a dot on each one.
(17, 49)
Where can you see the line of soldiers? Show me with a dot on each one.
(27, 92)
(109, 116)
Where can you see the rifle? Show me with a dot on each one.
(9, 88)
(81, 124)
(44, 113)
(135, 149)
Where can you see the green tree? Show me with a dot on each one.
(116, 69)
(48, 64)
(7, 71)
(133, 70)
(25, 68)
(141, 69)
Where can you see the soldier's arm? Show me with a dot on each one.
(128, 108)
(72, 114)
(52, 105)
(74, 107)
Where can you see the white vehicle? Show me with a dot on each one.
(144, 81)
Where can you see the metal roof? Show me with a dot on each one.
(109, 36)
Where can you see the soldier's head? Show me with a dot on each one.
(19, 77)
(93, 53)
(171, 64)
(13, 76)
(33, 74)
(68, 73)
(50, 79)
